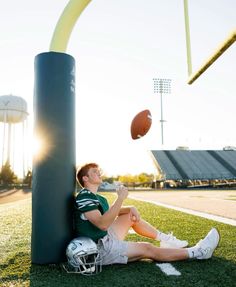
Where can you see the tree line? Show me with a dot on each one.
(8, 177)
(143, 179)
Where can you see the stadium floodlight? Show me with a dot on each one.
(162, 86)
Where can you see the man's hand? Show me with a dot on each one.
(134, 214)
(122, 192)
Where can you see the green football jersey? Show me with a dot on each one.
(87, 201)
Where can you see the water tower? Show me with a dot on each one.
(13, 110)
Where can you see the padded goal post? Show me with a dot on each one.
(54, 167)
(54, 170)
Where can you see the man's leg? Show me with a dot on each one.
(145, 250)
(141, 250)
(204, 249)
(144, 228)
(123, 223)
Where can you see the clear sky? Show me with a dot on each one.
(119, 47)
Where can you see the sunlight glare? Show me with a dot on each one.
(40, 148)
(37, 146)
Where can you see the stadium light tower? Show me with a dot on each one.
(162, 86)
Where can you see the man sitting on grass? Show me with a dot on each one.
(108, 226)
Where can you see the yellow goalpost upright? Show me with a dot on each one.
(219, 51)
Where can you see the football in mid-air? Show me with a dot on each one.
(141, 124)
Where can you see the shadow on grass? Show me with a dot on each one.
(16, 269)
(217, 272)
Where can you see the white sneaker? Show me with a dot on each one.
(207, 245)
(172, 242)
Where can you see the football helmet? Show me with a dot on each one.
(83, 256)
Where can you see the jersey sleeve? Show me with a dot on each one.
(86, 201)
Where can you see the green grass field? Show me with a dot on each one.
(16, 268)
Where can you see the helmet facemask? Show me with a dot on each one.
(83, 257)
(88, 264)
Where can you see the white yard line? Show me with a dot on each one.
(168, 269)
(192, 212)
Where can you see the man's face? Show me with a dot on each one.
(94, 175)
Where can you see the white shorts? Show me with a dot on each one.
(112, 250)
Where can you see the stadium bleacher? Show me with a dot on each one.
(196, 165)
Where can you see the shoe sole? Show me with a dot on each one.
(218, 235)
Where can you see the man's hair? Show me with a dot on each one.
(83, 171)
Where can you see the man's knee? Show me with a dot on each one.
(147, 249)
(127, 218)
(132, 220)
(140, 250)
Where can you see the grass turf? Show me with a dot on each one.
(17, 270)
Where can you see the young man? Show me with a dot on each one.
(108, 226)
